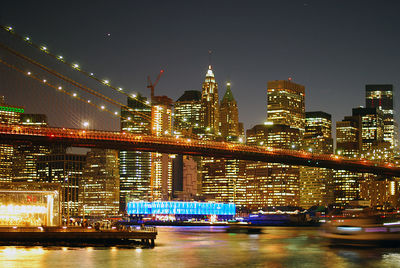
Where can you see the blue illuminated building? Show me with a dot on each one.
(189, 209)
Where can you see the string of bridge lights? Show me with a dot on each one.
(101, 107)
(74, 83)
(73, 65)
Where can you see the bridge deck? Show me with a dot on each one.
(15, 134)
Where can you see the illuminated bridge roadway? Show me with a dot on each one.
(17, 134)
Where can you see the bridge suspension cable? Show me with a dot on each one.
(73, 65)
(58, 88)
(74, 83)
(76, 67)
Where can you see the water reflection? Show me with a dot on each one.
(210, 247)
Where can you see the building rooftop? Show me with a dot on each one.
(190, 95)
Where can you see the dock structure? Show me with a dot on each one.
(77, 236)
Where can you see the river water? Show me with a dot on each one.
(210, 247)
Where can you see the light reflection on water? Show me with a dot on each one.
(210, 247)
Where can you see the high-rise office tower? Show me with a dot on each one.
(372, 127)
(210, 105)
(286, 104)
(257, 173)
(270, 184)
(187, 110)
(224, 180)
(26, 155)
(381, 97)
(316, 183)
(8, 115)
(99, 185)
(135, 166)
(187, 123)
(229, 116)
(378, 141)
(65, 169)
(286, 117)
(346, 184)
(161, 163)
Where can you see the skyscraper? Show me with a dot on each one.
(8, 115)
(26, 155)
(270, 184)
(381, 97)
(66, 169)
(229, 116)
(187, 111)
(346, 184)
(316, 183)
(210, 105)
(286, 104)
(99, 185)
(372, 127)
(135, 166)
(161, 163)
(286, 119)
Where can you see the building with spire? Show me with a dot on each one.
(229, 116)
(210, 105)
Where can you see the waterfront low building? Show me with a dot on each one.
(29, 204)
(181, 210)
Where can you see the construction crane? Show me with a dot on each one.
(151, 86)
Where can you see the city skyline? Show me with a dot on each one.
(305, 51)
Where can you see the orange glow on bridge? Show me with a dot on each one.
(173, 145)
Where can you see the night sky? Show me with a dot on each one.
(333, 48)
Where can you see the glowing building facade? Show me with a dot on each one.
(187, 110)
(8, 115)
(64, 169)
(270, 184)
(286, 104)
(161, 164)
(210, 104)
(29, 204)
(26, 155)
(135, 166)
(346, 184)
(286, 125)
(99, 186)
(316, 183)
(372, 127)
(381, 97)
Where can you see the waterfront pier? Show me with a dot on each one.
(77, 236)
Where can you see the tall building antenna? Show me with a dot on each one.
(209, 57)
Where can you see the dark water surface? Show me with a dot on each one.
(210, 247)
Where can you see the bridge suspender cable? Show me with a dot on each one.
(58, 88)
(74, 66)
(72, 82)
